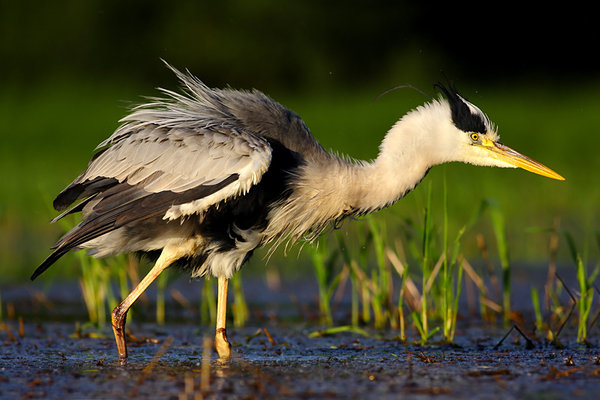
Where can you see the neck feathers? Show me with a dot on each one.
(330, 188)
(408, 151)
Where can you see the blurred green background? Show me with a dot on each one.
(71, 69)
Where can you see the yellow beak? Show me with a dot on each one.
(513, 157)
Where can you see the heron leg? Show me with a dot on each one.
(119, 314)
(221, 344)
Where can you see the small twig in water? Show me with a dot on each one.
(529, 343)
(271, 340)
(421, 356)
(555, 338)
(21, 327)
(6, 328)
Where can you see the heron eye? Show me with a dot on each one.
(474, 137)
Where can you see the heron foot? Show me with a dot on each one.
(118, 324)
(222, 346)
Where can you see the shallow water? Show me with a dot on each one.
(167, 362)
(50, 358)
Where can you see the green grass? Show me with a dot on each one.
(324, 262)
(537, 309)
(586, 289)
(452, 274)
(434, 305)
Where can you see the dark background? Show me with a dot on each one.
(69, 70)
(298, 45)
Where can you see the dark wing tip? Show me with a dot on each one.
(76, 191)
(120, 208)
(65, 198)
(52, 258)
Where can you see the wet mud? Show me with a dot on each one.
(52, 360)
(45, 354)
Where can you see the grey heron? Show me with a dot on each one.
(205, 176)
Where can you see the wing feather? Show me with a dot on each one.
(177, 156)
(177, 160)
(152, 172)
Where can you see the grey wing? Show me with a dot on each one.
(158, 160)
(157, 171)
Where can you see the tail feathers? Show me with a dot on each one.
(72, 240)
(56, 254)
(123, 205)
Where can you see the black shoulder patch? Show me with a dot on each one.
(462, 116)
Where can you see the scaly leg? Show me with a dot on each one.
(221, 344)
(119, 314)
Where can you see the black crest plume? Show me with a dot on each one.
(463, 117)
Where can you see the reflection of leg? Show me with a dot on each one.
(119, 314)
(221, 344)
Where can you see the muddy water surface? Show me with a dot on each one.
(167, 362)
(274, 356)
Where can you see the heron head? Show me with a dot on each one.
(478, 143)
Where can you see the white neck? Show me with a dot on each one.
(329, 187)
(408, 151)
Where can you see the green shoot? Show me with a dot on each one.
(422, 321)
(323, 264)
(208, 306)
(381, 277)
(93, 288)
(450, 290)
(535, 300)
(586, 290)
(365, 284)
(401, 305)
(355, 283)
(447, 310)
(239, 307)
(425, 334)
(501, 240)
